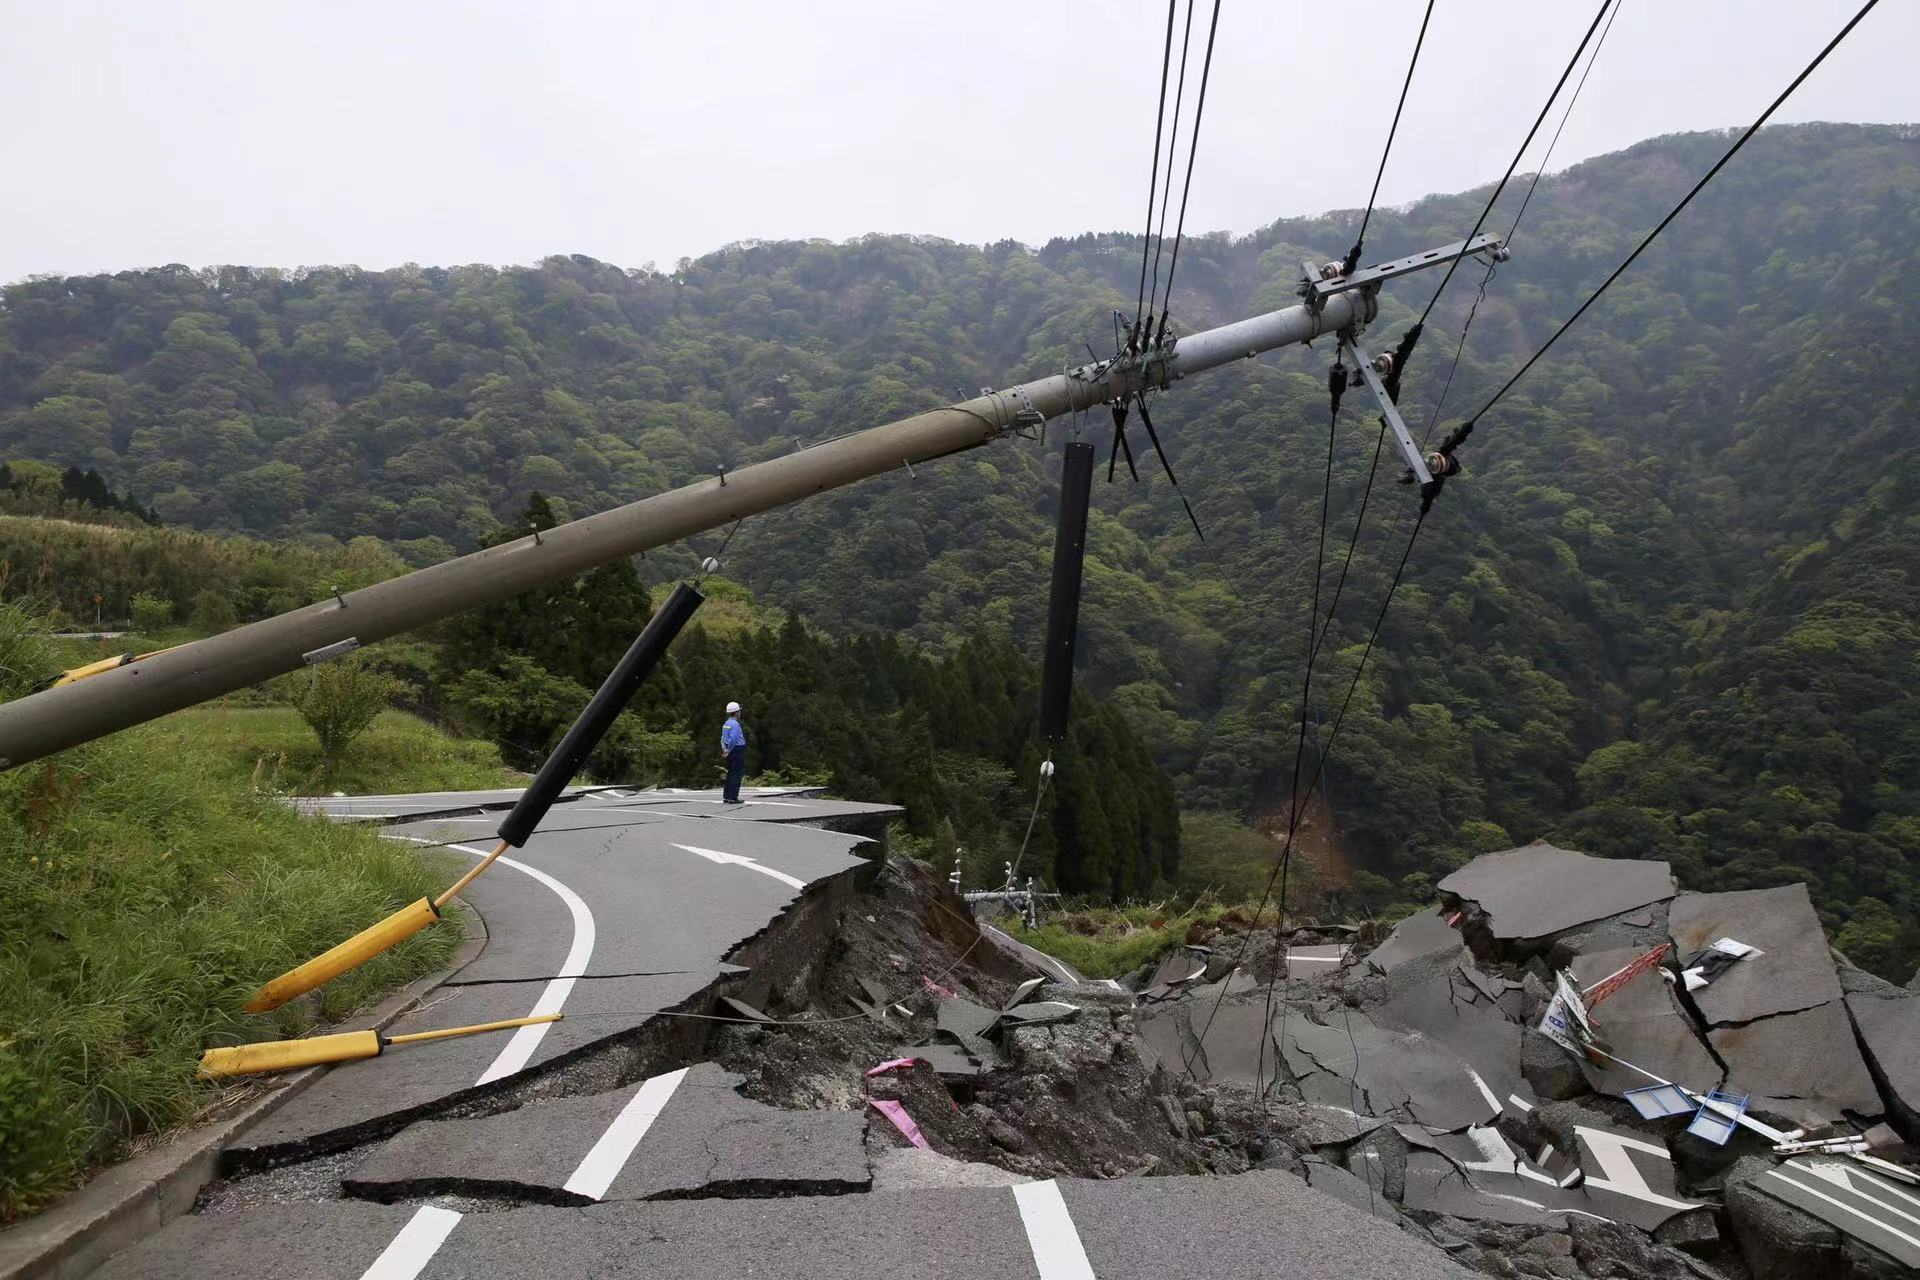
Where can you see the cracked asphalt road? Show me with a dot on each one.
(498, 1157)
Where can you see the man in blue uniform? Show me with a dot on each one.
(733, 746)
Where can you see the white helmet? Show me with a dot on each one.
(733, 708)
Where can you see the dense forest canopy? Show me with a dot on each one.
(1670, 612)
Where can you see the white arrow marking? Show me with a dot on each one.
(736, 860)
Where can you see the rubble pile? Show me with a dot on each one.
(1038, 1080)
(1571, 1068)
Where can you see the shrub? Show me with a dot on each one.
(340, 700)
(213, 611)
(151, 613)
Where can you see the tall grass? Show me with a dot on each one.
(145, 892)
(1109, 942)
(400, 753)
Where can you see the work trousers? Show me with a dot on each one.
(736, 770)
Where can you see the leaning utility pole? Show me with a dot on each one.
(151, 686)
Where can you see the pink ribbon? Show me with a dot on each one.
(901, 1120)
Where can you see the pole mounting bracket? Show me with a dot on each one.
(1321, 285)
(1371, 376)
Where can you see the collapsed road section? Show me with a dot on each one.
(1570, 1066)
(780, 1054)
(787, 1054)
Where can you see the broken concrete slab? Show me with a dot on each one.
(1490, 988)
(1337, 1182)
(1316, 961)
(1637, 931)
(1231, 1045)
(1540, 890)
(1643, 1022)
(1431, 997)
(1803, 1065)
(1176, 967)
(967, 1025)
(1794, 970)
(1629, 1177)
(1411, 1072)
(1817, 1215)
(1022, 992)
(704, 1139)
(950, 1061)
(1890, 1031)
(1045, 1013)
(1626, 1178)
(1435, 1184)
(1424, 933)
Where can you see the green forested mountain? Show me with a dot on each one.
(1669, 612)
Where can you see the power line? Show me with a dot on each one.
(1337, 381)
(1467, 327)
(1298, 801)
(1366, 496)
(1453, 266)
(1572, 101)
(1752, 129)
(1353, 254)
(1159, 123)
(1284, 862)
(1173, 143)
(1193, 147)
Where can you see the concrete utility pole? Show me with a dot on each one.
(142, 690)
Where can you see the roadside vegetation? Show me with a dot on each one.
(273, 746)
(1112, 942)
(146, 889)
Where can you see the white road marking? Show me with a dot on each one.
(1844, 1178)
(554, 997)
(1051, 1235)
(615, 1147)
(1841, 1205)
(736, 860)
(1618, 1173)
(1492, 1100)
(428, 1229)
(415, 1246)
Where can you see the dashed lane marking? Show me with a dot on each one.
(615, 1147)
(415, 1246)
(1051, 1235)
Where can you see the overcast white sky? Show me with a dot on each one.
(381, 133)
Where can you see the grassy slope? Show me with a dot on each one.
(145, 891)
(401, 753)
